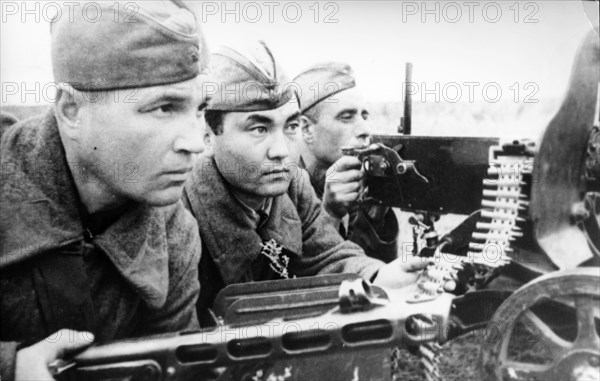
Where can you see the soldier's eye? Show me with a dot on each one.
(347, 116)
(163, 110)
(258, 130)
(292, 128)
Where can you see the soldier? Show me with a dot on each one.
(334, 115)
(95, 240)
(258, 215)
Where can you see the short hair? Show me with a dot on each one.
(314, 112)
(214, 120)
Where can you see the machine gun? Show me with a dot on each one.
(534, 220)
(364, 317)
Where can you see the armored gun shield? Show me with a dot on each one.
(566, 173)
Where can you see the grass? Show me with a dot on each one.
(458, 361)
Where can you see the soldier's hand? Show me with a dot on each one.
(32, 362)
(342, 186)
(401, 272)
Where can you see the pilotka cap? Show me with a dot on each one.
(323, 80)
(247, 79)
(127, 45)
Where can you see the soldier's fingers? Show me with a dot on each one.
(415, 264)
(79, 341)
(64, 342)
(352, 176)
(342, 189)
(348, 197)
(346, 176)
(347, 162)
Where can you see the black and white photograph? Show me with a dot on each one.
(347, 190)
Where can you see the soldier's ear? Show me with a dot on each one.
(68, 110)
(207, 138)
(308, 130)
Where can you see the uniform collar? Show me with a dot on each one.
(232, 239)
(256, 217)
(316, 179)
(40, 213)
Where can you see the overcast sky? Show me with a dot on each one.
(503, 42)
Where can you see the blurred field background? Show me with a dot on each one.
(504, 119)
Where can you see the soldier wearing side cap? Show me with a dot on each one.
(334, 115)
(95, 240)
(258, 214)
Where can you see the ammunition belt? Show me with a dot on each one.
(504, 205)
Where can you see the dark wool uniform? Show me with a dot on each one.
(232, 233)
(231, 243)
(132, 274)
(118, 273)
(234, 236)
(379, 240)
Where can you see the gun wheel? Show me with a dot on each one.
(547, 330)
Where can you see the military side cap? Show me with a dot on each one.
(247, 79)
(137, 44)
(321, 81)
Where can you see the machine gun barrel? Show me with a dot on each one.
(406, 120)
(360, 321)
